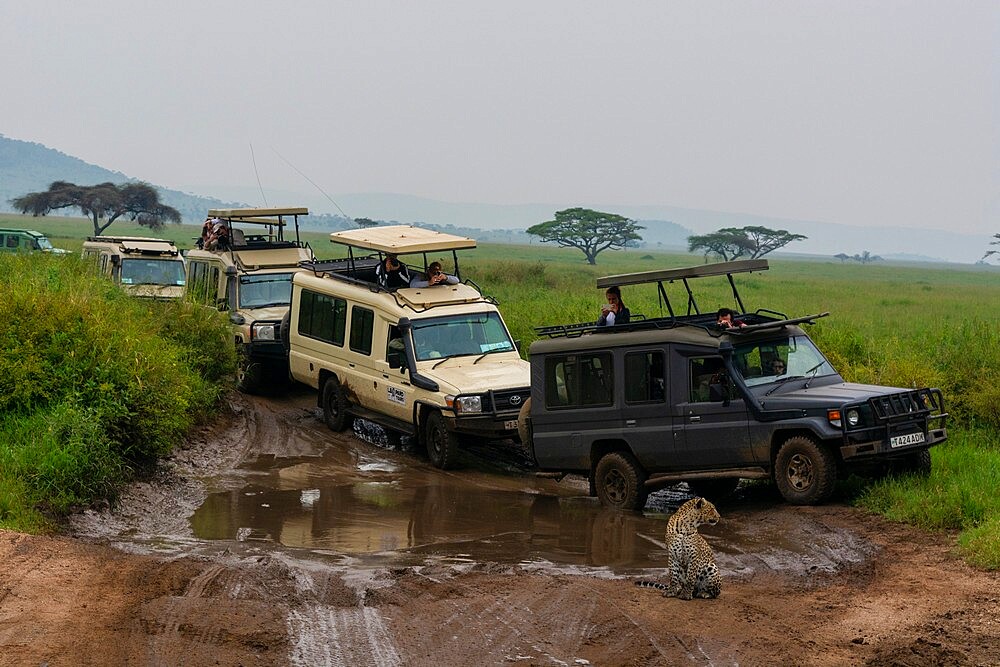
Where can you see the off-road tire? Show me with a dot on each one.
(249, 373)
(335, 406)
(713, 489)
(442, 445)
(917, 463)
(620, 482)
(805, 471)
(286, 325)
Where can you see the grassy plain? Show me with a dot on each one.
(94, 385)
(893, 324)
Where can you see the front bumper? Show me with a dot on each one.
(896, 416)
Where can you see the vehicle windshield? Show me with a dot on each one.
(778, 359)
(42, 243)
(148, 271)
(458, 335)
(264, 290)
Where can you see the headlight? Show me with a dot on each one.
(853, 418)
(465, 403)
(263, 331)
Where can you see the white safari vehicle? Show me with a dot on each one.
(251, 277)
(436, 363)
(144, 267)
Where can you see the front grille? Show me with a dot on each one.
(507, 400)
(906, 404)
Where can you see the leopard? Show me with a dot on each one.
(690, 562)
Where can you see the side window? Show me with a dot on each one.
(11, 241)
(213, 284)
(362, 325)
(395, 353)
(322, 317)
(201, 287)
(644, 377)
(579, 380)
(704, 373)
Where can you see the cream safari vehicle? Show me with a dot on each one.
(144, 267)
(250, 276)
(436, 362)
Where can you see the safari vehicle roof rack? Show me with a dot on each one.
(274, 219)
(141, 245)
(757, 321)
(355, 270)
(684, 275)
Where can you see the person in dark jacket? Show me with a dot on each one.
(614, 311)
(392, 274)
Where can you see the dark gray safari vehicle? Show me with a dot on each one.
(644, 405)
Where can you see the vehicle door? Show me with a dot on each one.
(711, 424)
(579, 407)
(646, 420)
(362, 381)
(392, 378)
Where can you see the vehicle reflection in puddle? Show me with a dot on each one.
(381, 505)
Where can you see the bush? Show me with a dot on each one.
(93, 383)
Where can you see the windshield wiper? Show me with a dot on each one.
(267, 305)
(778, 383)
(479, 358)
(814, 370)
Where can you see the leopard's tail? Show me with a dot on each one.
(652, 584)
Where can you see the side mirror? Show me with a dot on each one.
(396, 354)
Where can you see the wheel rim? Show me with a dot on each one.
(434, 442)
(332, 405)
(800, 472)
(615, 486)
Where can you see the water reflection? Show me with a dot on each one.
(351, 504)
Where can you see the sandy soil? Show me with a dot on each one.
(902, 598)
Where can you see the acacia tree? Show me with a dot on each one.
(735, 242)
(768, 240)
(993, 252)
(103, 203)
(365, 223)
(590, 231)
(728, 243)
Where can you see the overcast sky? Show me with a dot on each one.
(874, 112)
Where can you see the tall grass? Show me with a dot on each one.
(93, 383)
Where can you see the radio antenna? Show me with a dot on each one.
(313, 183)
(259, 186)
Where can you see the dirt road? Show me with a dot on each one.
(141, 585)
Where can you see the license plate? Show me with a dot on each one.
(510, 425)
(908, 439)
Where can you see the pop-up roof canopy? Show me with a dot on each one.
(401, 240)
(260, 216)
(670, 275)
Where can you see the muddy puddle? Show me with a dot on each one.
(361, 499)
(277, 479)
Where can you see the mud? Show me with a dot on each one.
(270, 540)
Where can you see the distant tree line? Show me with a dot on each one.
(864, 258)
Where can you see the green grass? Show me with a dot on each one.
(960, 494)
(94, 385)
(899, 325)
